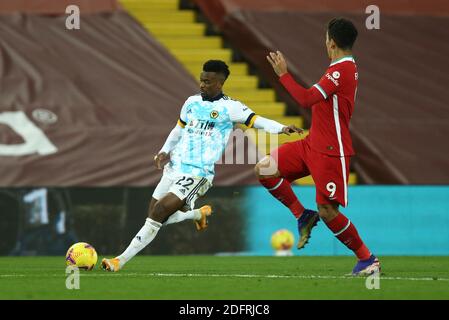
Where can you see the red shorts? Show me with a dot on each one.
(330, 174)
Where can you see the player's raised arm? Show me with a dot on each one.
(305, 97)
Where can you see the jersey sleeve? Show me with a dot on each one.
(240, 113)
(330, 82)
(182, 121)
(305, 97)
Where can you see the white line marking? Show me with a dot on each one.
(340, 144)
(205, 275)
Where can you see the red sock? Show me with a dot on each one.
(281, 189)
(346, 232)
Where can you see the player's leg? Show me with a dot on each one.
(169, 198)
(332, 191)
(288, 164)
(153, 202)
(276, 171)
(191, 188)
(345, 231)
(198, 215)
(148, 231)
(165, 207)
(158, 213)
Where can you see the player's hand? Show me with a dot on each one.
(159, 158)
(278, 63)
(292, 129)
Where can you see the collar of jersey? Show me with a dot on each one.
(216, 98)
(343, 59)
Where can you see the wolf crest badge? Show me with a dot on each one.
(214, 114)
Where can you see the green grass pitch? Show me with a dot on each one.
(221, 278)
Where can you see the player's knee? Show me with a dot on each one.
(266, 167)
(159, 212)
(151, 206)
(327, 212)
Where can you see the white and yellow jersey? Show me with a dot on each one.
(207, 125)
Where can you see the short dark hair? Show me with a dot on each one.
(343, 32)
(217, 66)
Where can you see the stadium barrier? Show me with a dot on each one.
(392, 220)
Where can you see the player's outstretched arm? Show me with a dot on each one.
(240, 113)
(272, 126)
(172, 140)
(304, 97)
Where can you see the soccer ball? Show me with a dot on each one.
(82, 255)
(282, 240)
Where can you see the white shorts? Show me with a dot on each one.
(184, 186)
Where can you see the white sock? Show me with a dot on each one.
(140, 241)
(179, 216)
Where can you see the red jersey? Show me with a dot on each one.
(332, 102)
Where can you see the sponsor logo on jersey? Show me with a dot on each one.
(332, 79)
(183, 191)
(202, 124)
(336, 74)
(214, 114)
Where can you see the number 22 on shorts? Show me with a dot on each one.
(187, 182)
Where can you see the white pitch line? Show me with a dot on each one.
(205, 275)
(279, 276)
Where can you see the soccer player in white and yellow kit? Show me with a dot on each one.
(193, 146)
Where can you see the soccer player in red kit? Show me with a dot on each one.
(325, 153)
